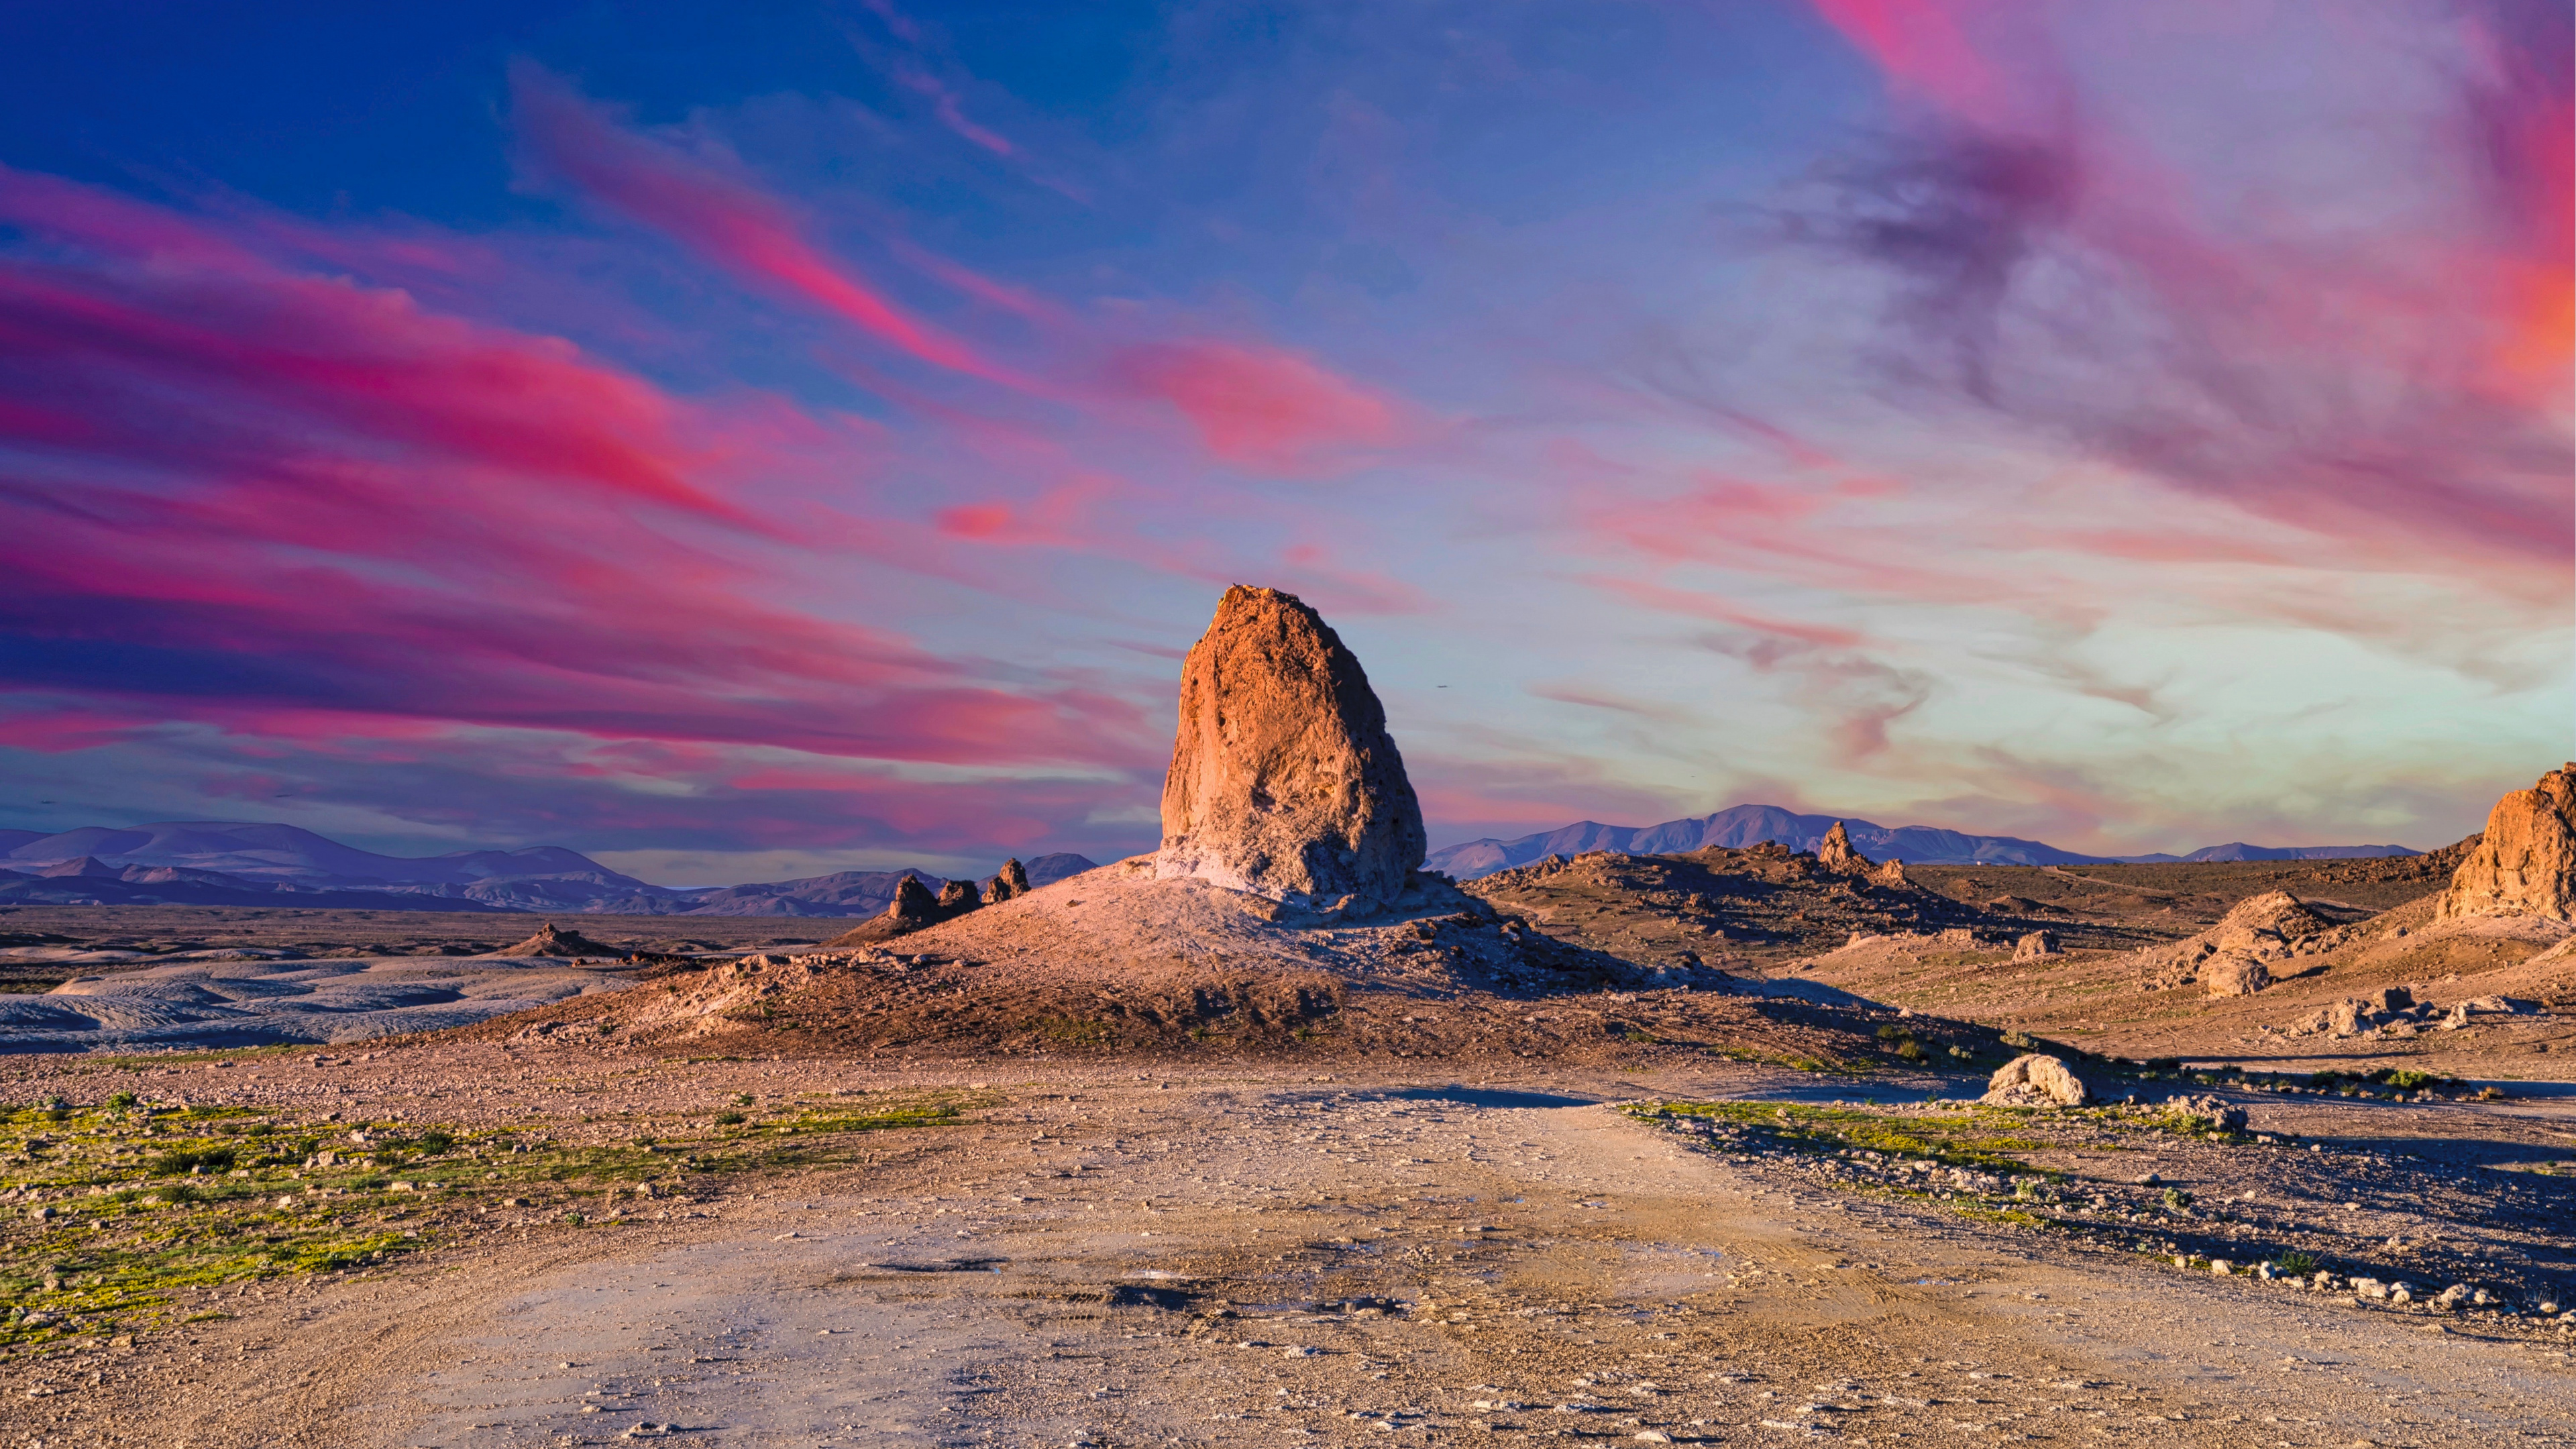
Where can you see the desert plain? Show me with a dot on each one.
(1270, 1137)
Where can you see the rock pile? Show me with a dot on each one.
(2525, 864)
(1284, 782)
(2235, 956)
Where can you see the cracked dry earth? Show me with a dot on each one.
(1242, 1258)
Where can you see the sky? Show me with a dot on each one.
(741, 442)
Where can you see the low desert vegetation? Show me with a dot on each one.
(113, 1208)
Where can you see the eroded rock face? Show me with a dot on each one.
(2526, 864)
(2035, 944)
(2035, 1081)
(1284, 782)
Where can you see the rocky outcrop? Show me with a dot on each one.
(1284, 782)
(1835, 853)
(2035, 944)
(2033, 1080)
(1012, 880)
(2258, 931)
(957, 898)
(1892, 874)
(2525, 864)
(570, 945)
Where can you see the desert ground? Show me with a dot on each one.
(1525, 1171)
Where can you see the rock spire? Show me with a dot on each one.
(2526, 864)
(1835, 852)
(1011, 880)
(1283, 781)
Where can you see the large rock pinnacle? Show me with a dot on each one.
(2526, 862)
(1283, 780)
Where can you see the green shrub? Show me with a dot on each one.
(179, 1164)
(2297, 1265)
(728, 1119)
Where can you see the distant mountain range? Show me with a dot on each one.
(1744, 825)
(233, 863)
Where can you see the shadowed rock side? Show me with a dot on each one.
(1284, 782)
(2525, 864)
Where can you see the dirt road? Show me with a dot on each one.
(1114, 1261)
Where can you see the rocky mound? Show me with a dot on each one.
(2235, 957)
(552, 941)
(2525, 863)
(1284, 782)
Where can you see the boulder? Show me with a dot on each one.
(1892, 874)
(2525, 864)
(2032, 1080)
(956, 898)
(2036, 943)
(1284, 782)
(1835, 853)
(1011, 880)
(2234, 973)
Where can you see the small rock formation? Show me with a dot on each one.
(912, 908)
(2032, 1080)
(2264, 928)
(1835, 853)
(549, 941)
(2209, 1113)
(1284, 782)
(913, 904)
(2526, 862)
(956, 898)
(2037, 943)
(2233, 973)
(1891, 874)
(1011, 881)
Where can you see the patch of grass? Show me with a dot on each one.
(1074, 1031)
(1795, 1061)
(140, 1203)
(2296, 1265)
(1978, 1137)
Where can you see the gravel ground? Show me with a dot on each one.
(1377, 1253)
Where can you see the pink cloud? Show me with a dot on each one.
(1262, 407)
(944, 104)
(301, 509)
(724, 218)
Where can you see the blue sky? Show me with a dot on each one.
(746, 446)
